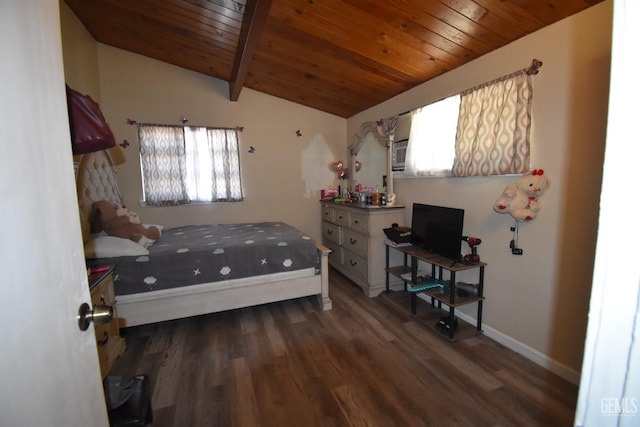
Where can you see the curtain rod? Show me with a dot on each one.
(184, 125)
(531, 70)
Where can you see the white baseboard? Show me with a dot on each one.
(532, 354)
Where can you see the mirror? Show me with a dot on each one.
(373, 159)
(370, 148)
(373, 146)
(380, 147)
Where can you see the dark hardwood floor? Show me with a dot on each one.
(367, 362)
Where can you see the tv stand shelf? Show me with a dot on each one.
(440, 290)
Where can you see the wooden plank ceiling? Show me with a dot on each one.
(337, 56)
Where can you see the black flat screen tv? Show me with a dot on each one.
(437, 229)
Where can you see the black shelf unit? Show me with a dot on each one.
(440, 289)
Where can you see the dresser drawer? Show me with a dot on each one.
(342, 217)
(103, 293)
(110, 344)
(355, 235)
(355, 242)
(328, 213)
(332, 233)
(359, 222)
(355, 265)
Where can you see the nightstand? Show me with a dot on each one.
(110, 344)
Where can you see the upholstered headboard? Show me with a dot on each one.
(95, 180)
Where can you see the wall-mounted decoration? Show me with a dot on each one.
(124, 144)
(298, 133)
(520, 199)
(252, 150)
(89, 129)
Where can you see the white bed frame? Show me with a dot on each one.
(95, 181)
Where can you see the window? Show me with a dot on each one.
(431, 148)
(480, 132)
(184, 164)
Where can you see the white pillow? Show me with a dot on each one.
(150, 242)
(109, 247)
(159, 227)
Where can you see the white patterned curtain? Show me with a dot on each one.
(431, 149)
(493, 128)
(184, 164)
(162, 157)
(199, 168)
(225, 176)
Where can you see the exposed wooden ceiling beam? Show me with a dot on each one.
(255, 17)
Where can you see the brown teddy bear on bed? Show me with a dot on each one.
(117, 221)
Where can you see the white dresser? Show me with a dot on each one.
(355, 235)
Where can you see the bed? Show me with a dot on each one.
(199, 269)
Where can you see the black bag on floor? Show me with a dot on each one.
(128, 401)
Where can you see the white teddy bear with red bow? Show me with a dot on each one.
(520, 199)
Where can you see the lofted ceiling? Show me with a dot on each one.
(337, 56)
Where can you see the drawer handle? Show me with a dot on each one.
(356, 221)
(340, 217)
(353, 263)
(329, 232)
(105, 340)
(353, 241)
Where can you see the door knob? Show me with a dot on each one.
(99, 314)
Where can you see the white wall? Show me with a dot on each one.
(276, 186)
(537, 302)
(80, 55)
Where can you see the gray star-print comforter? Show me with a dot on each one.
(196, 254)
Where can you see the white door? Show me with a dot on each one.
(610, 381)
(49, 372)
